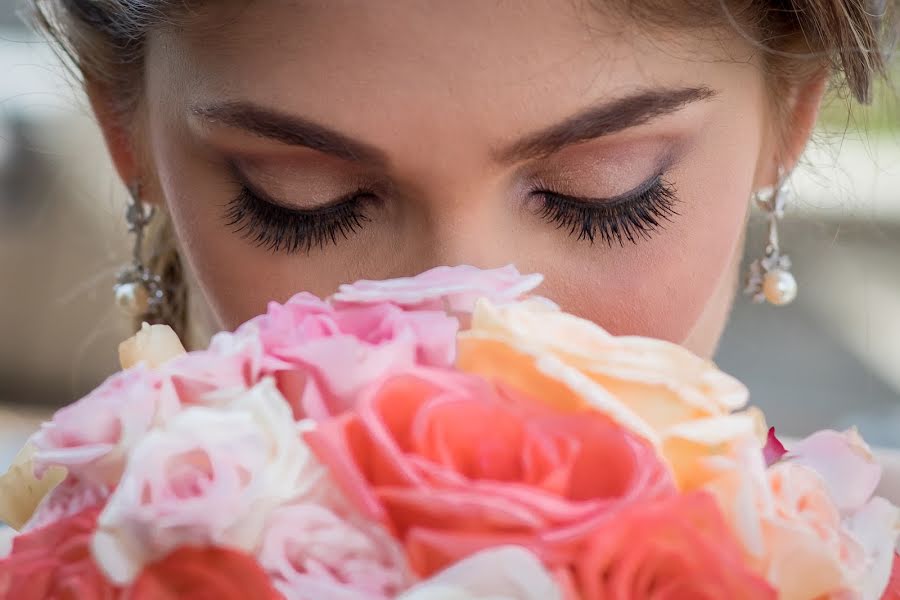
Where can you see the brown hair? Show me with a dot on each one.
(104, 40)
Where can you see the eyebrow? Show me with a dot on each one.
(605, 119)
(291, 130)
(594, 122)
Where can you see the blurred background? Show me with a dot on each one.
(832, 359)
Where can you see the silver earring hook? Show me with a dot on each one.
(770, 279)
(138, 291)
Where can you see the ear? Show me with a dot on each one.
(119, 132)
(796, 121)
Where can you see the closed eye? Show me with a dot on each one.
(632, 216)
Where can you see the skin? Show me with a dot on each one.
(442, 93)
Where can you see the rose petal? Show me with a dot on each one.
(844, 461)
(21, 491)
(153, 344)
(774, 449)
(501, 573)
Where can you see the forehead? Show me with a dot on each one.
(482, 69)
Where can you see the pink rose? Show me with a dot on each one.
(92, 437)
(451, 289)
(677, 548)
(313, 551)
(504, 572)
(211, 476)
(323, 356)
(454, 465)
(70, 497)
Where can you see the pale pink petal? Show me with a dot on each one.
(844, 461)
(454, 289)
(875, 527)
(501, 573)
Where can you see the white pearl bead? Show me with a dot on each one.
(779, 287)
(132, 298)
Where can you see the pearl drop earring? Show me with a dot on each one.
(770, 279)
(138, 291)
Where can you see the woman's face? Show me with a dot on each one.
(301, 144)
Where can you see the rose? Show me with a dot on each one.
(676, 548)
(207, 573)
(677, 401)
(55, 562)
(893, 587)
(307, 345)
(21, 491)
(453, 289)
(153, 344)
(503, 573)
(790, 520)
(92, 437)
(454, 465)
(844, 461)
(70, 497)
(211, 475)
(314, 551)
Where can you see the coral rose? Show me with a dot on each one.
(208, 573)
(455, 465)
(677, 548)
(55, 562)
(893, 587)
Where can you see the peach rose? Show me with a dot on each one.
(680, 403)
(677, 548)
(792, 526)
(21, 491)
(153, 344)
(453, 466)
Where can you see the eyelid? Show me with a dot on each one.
(242, 180)
(611, 201)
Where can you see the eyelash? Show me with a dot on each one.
(632, 217)
(281, 229)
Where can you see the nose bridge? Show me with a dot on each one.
(465, 223)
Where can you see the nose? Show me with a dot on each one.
(469, 228)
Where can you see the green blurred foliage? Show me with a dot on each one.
(882, 116)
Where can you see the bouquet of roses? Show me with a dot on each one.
(445, 437)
